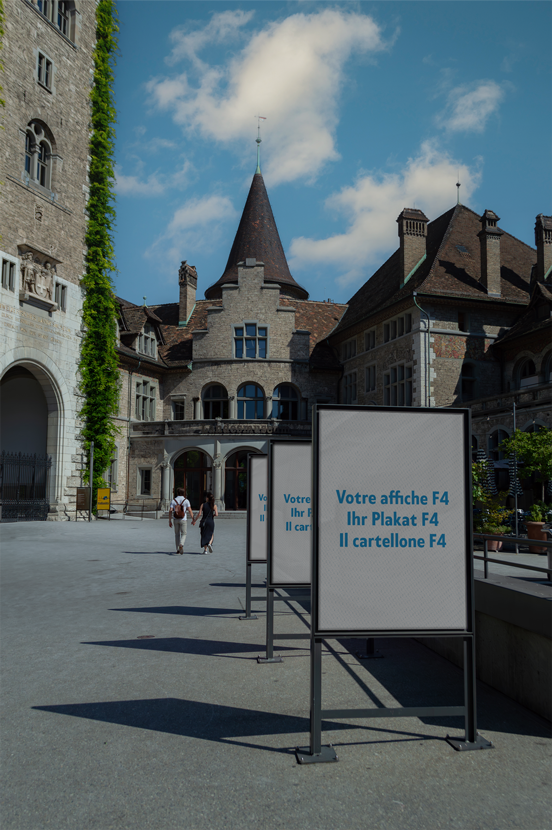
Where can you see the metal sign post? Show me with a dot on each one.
(257, 500)
(289, 530)
(392, 544)
(91, 480)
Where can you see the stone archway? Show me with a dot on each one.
(193, 470)
(32, 413)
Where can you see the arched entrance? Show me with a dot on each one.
(24, 459)
(193, 472)
(235, 481)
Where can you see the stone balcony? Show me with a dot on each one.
(218, 426)
(530, 397)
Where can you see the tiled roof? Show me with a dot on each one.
(529, 322)
(452, 268)
(257, 238)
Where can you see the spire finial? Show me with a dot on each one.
(145, 304)
(258, 140)
(458, 189)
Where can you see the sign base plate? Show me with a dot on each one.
(327, 754)
(270, 659)
(462, 745)
(251, 617)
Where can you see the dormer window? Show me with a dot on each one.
(147, 341)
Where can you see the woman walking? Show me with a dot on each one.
(206, 515)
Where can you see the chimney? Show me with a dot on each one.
(489, 240)
(187, 281)
(543, 241)
(413, 234)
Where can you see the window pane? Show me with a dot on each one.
(408, 323)
(262, 348)
(401, 326)
(250, 348)
(262, 332)
(239, 348)
(250, 329)
(239, 332)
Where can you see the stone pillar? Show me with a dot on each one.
(197, 409)
(232, 409)
(217, 485)
(165, 486)
(268, 407)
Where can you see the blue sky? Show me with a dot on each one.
(370, 107)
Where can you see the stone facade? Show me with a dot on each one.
(44, 171)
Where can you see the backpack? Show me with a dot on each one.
(179, 512)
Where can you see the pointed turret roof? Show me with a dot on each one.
(258, 238)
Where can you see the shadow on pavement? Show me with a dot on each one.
(184, 610)
(162, 553)
(184, 645)
(210, 721)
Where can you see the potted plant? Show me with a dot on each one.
(537, 515)
(493, 518)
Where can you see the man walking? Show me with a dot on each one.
(177, 511)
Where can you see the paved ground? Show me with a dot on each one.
(133, 699)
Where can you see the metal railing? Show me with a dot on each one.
(486, 538)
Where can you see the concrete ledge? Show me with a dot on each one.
(513, 635)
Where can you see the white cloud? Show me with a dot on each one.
(372, 206)
(469, 109)
(292, 72)
(222, 28)
(155, 184)
(193, 227)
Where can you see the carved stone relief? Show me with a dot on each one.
(37, 278)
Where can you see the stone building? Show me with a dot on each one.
(48, 61)
(205, 382)
(459, 315)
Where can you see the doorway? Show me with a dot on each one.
(193, 472)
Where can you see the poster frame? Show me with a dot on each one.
(271, 584)
(249, 558)
(468, 630)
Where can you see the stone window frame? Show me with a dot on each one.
(279, 402)
(10, 272)
(205, 399)
(243, 338)
(398, 384)
(44, 71)
(397, 327)
(350, 388)
(242, 399)
(145, 399)
(526, 373)
(113, 470)
(38, 156)
(349, 349)
(370, 340)
(178, 401)
(61, 14)
(142, 478)
(60, 295)
(147, 341)
(370, 378)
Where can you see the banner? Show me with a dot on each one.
(392, 507)
(290, 506)
(257, 505)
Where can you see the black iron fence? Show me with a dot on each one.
(24, 487)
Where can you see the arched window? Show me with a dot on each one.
(38, 155)
(527, 374)
(547, 368)
(285, 403)
(28, 154)
(251, 403)
(495, 440)
(468, 381)
(215, 402)
(42, 170)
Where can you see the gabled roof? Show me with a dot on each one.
(529, 322)
(258, 238)
(452, 269)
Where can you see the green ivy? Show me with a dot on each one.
(2, 18)
(98, 364)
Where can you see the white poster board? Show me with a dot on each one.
(257, 506)
(391, 542)
(290, 471)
